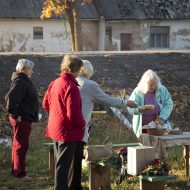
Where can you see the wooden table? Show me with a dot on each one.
(162, 142)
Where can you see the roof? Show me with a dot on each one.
(110, 9)
(31, 9)
(169, 9)
(143, 9)
(119, 9)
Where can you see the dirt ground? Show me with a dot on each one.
(116, 72)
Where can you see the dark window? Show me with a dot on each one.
(159, 36)
(37, 32)
(109, 32)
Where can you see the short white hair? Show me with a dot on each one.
(87, 69)
(23, 63)
(149, 75)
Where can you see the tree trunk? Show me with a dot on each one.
(75, 25)
(71, 25)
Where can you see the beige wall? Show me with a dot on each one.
(17, 36)
(90, 35)
(126, 27)
(140, 30)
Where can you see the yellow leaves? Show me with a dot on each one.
(46, 13)
(56, 7)
(53, 6)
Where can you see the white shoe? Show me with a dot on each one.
(27, 178)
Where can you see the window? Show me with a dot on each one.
(159, 36)
(37, 32)
(108, 38)
(109, 32)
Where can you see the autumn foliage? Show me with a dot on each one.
(71, 9)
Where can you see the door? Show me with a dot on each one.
(126, 41)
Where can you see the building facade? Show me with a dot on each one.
(148, 35)
(107, 25)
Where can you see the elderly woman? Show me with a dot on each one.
(66, 124)
(91, 93)
(23, 107)
(150, 91)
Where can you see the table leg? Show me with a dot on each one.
(51, 161)
(187, 159)
(99, 178)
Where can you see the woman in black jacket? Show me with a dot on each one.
(23, 108)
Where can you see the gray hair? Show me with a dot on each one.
(87, 69)
(148, 76)
(23, 63)
(71, 64)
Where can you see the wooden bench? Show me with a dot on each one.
(52, 159)
(154, 182)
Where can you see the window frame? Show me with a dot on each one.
(38, 36)
(153, 42)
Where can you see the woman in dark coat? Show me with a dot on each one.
(23, 108)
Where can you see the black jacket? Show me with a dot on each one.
(22, 98)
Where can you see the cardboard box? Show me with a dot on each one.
(138, 157)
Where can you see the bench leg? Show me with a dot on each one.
(51, 161)
(187, 159)
(146, 185)
(99, 178)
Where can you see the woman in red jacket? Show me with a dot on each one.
(66, 124)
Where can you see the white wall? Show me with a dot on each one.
(179, 33)
(125, 27)
(17, 36)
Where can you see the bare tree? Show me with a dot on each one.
(71, 8)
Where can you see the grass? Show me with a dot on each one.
(104, 129)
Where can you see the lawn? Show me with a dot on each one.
(105, 129)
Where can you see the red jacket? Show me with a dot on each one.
(63, 102)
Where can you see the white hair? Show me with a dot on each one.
(149, 75)
(23, 63)
(87, 69)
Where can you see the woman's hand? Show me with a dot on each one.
(18, 120)
(159, 121)
(131, 104)
(142, 109)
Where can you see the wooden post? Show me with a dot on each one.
(187, 159)
(51, 160)
(147, 185)
(99, 178)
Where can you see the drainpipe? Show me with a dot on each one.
(102, 34)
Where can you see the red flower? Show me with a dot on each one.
(122, 148)
(156, 162)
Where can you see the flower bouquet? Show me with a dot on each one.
(156, 168)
